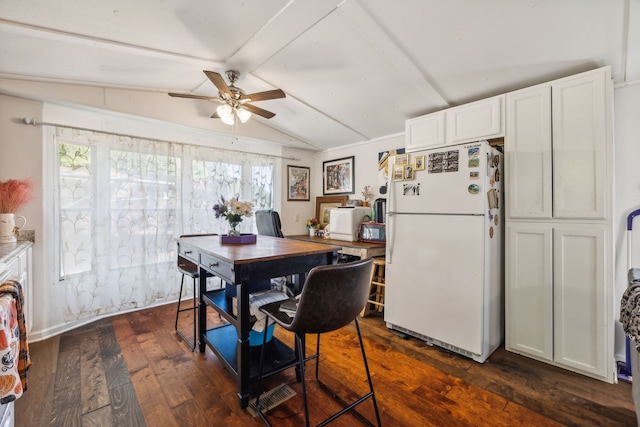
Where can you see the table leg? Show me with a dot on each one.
(243, 360)
(202, 309)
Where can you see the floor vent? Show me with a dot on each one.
(271, 399)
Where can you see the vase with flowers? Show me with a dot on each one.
(13, 195)
(312, 226)
(234, 211)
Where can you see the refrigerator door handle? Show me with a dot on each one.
(390, 236)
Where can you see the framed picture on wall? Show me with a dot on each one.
(338, 176)
(325, 203)
(298, 183)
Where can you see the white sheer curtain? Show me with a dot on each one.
(122, 201)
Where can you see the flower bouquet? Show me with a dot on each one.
(312, 225)
(234, 211)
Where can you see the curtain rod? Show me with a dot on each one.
(35, 122)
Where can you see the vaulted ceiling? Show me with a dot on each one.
(353, 70)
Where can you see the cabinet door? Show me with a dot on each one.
(425, 131)
(528, 154)
(580, 313)
(529, 290)
(476, 120)
(581, 146)
(21, 268)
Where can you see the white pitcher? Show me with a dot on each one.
(8, 230)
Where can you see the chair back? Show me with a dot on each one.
(332, 296)
(268, 223)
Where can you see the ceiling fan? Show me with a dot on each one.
(235, 103)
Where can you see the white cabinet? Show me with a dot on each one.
(581, 149)
(529, 294)
(425, 131)
(528, 153)
(559, 250)
(476, 120)
(557, 303)
(558, 149)
(20, 268)
(469, 122)
(582, 313)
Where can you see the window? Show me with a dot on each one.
(123, 201)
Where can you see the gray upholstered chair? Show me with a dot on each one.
(332, 297)
(268, 223)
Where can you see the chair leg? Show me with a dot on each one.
(366, 368)
(301, 361)
(179, 301)
(191, 344)
(350, 407)
(300, 344)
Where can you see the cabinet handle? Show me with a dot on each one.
(187, 252)
(214, 264)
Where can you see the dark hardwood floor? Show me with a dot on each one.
(133, 370)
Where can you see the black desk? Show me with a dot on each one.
(241, 265)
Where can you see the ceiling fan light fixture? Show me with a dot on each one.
(243, 114)
(226, 114)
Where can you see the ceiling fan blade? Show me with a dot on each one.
(263, 96)
(215, 115)
(259, 111)
(218, 80)
(207, 98)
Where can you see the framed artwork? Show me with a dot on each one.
(398, 173)
(407, 172)
(325, 203)
(298, 183)
(338, 176)
(402, 159)
(418, 163)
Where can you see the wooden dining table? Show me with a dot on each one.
(242, 266)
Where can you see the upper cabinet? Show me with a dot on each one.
(469, 122)
(425, 131)
(528, 158)
(582, 151)
(557, 149)
(477, 120)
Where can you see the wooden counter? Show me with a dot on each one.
(359, 249)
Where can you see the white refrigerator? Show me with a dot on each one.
(444, 272)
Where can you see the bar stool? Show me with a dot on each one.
(376, 293)
(331, 298)
(187, 268)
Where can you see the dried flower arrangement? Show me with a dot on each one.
(14, 194)
(367, 193)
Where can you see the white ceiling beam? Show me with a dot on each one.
(10, 27)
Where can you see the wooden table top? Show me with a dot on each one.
(266, 248)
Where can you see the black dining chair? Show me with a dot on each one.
(268, 223)
(332, 297)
